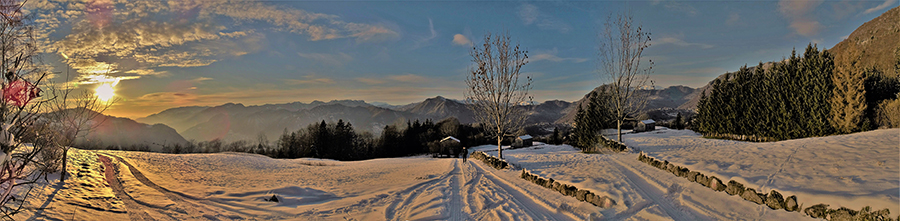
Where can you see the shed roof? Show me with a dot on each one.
(450, 138)
(648, 121)
(525, 137)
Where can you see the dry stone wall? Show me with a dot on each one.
(494, 162)
(569, 190)
(773, 199)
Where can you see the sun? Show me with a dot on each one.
(105, 92)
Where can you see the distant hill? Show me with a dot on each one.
(124, 132)
(672, 97)
(439, 108)
(183, 118)
(232, 122)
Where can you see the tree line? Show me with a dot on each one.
(802, 96)
(339, 141)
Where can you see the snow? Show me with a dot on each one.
(847, 170)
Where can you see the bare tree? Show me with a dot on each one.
(494, 90)
(74, 115)
(622, 45)
(20, 166)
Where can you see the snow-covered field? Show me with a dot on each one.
(848, 170)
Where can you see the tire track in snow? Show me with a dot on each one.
(136, 211)
(456, 202)
(221, 209)
(533, 209)
(643, 187)
(400, 207)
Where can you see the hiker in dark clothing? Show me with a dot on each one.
(465, 153)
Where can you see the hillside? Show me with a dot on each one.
(877, 42)
(123, 132)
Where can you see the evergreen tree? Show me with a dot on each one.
(848, 103)
(678, 123)
(589, 121)
(555, 139)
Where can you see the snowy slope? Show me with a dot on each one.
(117, 185)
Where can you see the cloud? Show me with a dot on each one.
(200, 79)
(882, 6)
(317, 26)
(309, 79)
(530, 14)
(137, 36)
(551, 56)
(677, 6)
(148, 72)
(425, 40)
(371, 81)
(327, 59)
(733, 19)
(408, 78)
(393, 79)
(800, 16)
(102, 78)
(682, 43)
(459, 39)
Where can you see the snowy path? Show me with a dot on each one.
(652, 192)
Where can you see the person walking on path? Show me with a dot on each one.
(465, 153)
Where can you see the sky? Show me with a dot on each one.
(156, 55)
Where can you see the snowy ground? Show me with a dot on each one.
(119, 185)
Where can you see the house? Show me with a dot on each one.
(523, 141)
(645, 125)
(449, 146)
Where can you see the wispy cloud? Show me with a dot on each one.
(408, 78)
(676, 6)
(681, 43)
(425, 40)
(551, 55)
(459, 39)
(799, 13)
(733, 19)
(402, 79)
(371, 81)
(531, 14)
(882, 6)
(148, 72)
(328, 59)
(137, 36)
(308, 80)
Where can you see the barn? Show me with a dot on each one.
(645, 125)
(449, 146)
(523, 141)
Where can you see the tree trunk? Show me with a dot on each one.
(499, 146)
(619, 128)
(62, 173)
